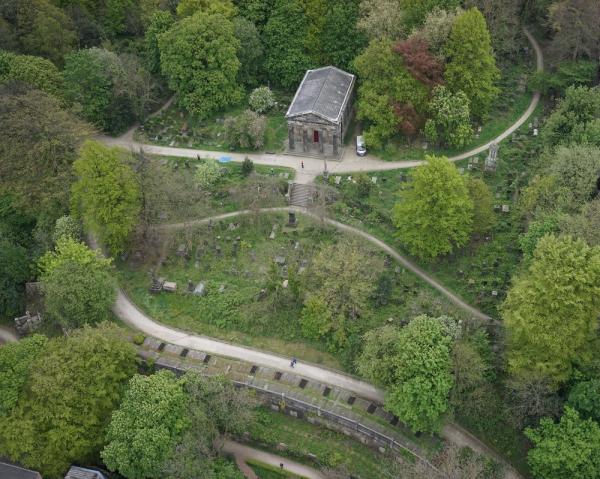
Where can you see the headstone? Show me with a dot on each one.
(338, 179)
(536, 122)
(280, 260)
(200, 289)
(233, 226)
(494, 293)
(272, 235)
(218, 250)
(374, 180)
(262, 294)
(285, 283)
(291, 218)
(505, 208)
(169, 286)
(182, 251)
(222, 288)
(190, 286)
(535, 132)
(491, 162)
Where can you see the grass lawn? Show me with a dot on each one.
(175, 127)
(239, 314)
(265, 471)
(332, 450)
(509, 106)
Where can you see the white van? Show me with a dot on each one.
(361, 149)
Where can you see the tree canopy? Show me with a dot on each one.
(78, 286)
(73, 385)
(471, 66)
(569, 448)
(415, 365)
(435, 213)
(198, 55)
(106, 194)
(551, 311)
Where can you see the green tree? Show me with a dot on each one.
(145, 428)
(484, 217)
(262, 99)
(584, 225)
(73, 386)
(69, 227)
(14, 264)
(576, 118)
(537, 229)
(106, 195)
(15, 366)
(340, 32)
(585, 397)
(215, 406)
(38, 148)
(471, 67)
(436, 29)
(34, 71)
(198, 55)
(316, 318)
(435, 215)
(569, 448)
(250, 52)
(576, 28)
(385, 84)
(503, 21)
(45, 30)
(207, 174)
(577, 169)
(381, 19)
(551, 311)
(90, 79)
(449, 120)
(186, 8)
(78, 286)
(160, 22)
(564, 75)
(378, 358)
(415, 11)
(286, 59)
(416, 368)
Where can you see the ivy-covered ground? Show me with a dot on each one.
(488, 262)
(175, 127)
(243, 267)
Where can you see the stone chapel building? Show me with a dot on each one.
(320, 112)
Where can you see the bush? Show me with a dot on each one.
(139, 339)
(67, 226)
(262, 99)
(247, 166)
(207, 174)
(363, 185)
(246, 130)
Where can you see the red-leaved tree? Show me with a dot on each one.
(421, 64)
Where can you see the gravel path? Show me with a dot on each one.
(242, 453)
(313, 167)
(7, 335)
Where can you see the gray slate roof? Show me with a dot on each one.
(323, 92)
(83, 473)
(8, 471)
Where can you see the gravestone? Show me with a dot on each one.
(374, 180)
(338, 179)
(200, 289)
(285, 283)
(169, 286)
(222, 288)
(190, 286)
(505, 208)
(262, 294)
(491, 162)
(280, 260)
(272, 235)
(291, 218)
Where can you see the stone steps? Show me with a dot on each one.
(301, 195)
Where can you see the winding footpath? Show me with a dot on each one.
(130, 314)
(313, 167)
(243, 453)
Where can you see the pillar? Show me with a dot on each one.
(304, 140)
(335, 144)
(291, 139)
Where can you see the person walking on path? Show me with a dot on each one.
(293, 362)
(302, 164)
